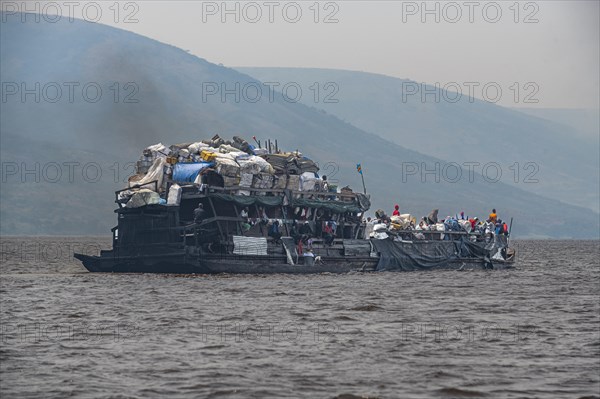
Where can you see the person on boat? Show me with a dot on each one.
(304, 244)
(480, 227)
(262, 215)
(493, 216)
(504, 228)
(309, 244)
(333, 227)
(321, 219)
(396, 210)
(300, 246)
(420, 227)
(473, 222)
(199, 213)
(498, 227)
(381, 216)
(369, 227)
(274, 231)
(294, 233)
(451, 224)
(305, 229)
(245, 221)
(325, 184)
(432, 218)
(328, 233)
(309, 257)
(263, 220)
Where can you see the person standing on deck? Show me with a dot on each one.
(498, 227)
(473, 222)
(325, 184)
(396, 210)
(294, 233)
(245, 221)
(493, 216)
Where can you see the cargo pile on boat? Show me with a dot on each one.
(234, 164)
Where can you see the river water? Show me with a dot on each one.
(528, 332)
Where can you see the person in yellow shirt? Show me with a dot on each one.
(493, 216)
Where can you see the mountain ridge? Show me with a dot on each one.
(468, 130)
(171, 109)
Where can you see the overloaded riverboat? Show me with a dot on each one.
(219, 206)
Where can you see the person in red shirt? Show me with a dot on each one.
(473, 222)
(396, 210)
(328, 233)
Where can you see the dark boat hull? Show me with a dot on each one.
(175, 264)
(184, 264)
(181, 264)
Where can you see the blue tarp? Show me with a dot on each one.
(187, 172)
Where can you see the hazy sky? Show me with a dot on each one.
(549, 49)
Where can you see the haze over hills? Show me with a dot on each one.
(170, 88)
(584, 122)
(541, 154)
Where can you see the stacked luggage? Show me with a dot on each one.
(234, 164)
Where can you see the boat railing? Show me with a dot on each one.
(451, 232)
(154, 182)
(323, 195)
(434, 235)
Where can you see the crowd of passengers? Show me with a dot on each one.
(326, 228)
(303, 228)
(478, 229)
